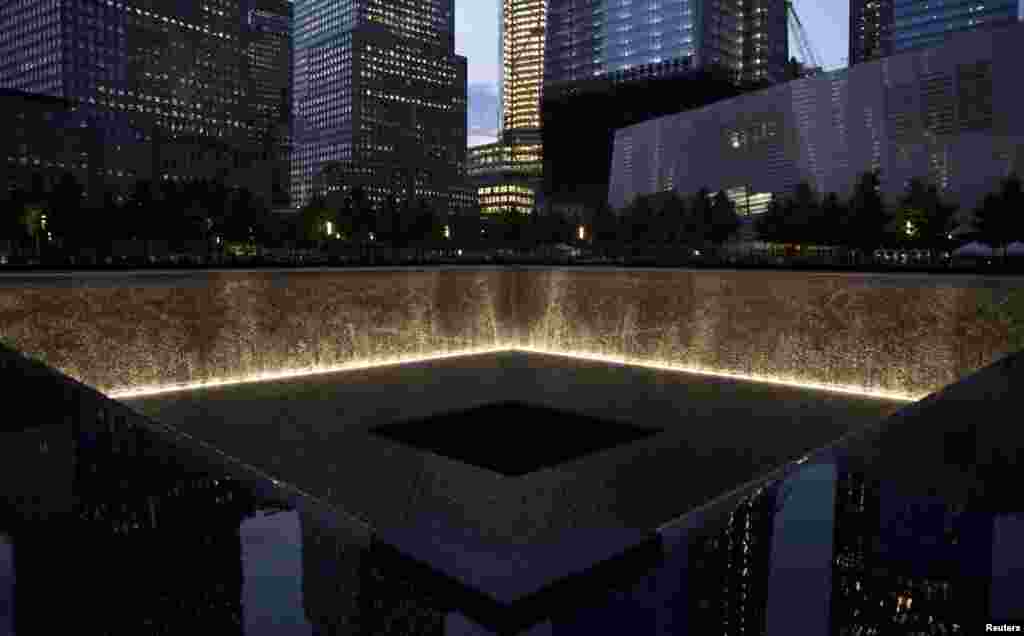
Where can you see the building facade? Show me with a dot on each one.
(506, 174)
(31, 153)
(946, 114)
(592, 38)
(923, 23)
(578, 149)
(871, 24)
(176, 90)
(379, 100)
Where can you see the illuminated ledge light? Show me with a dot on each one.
(299, 373)
(581, 355)
(666, 366)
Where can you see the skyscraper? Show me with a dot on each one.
(923, 23)
(507, 172)
(587, 39)
(379, 99)
(621, 62)
(870, 30)
(168, 85)
(879, 28)
(270, 63)
(521, 36)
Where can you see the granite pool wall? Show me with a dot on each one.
(905, 334)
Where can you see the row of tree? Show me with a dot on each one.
(205, 210)
(667, 218)
(920, 219)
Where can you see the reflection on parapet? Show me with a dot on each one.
(729, 569)
(907, 562)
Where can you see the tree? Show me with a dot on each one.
(673, 210)
(64, 218)
(922, 219)
(138, 214)
(833, 220)
(313, 220)
(697, 221)
(771, 224)
(465, 227)
(605, 224)
(867, 216)
(998, 217)
(641, 220)
(803, 219)
(364, 220)
(724, 221)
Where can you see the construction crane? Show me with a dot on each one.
(810, 59)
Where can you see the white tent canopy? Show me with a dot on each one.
(973, 249)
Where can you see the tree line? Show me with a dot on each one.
(205, 210)
(920, 219)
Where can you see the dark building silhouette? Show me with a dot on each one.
(871, 24)
(578, 149)
(33, 157)
(175, 90)
(380, 101)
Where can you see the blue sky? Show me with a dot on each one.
(476, 26)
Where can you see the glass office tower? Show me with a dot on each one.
(521, 34)
(379, 100)
(169, 85)
(924, 23)
(506, 174)
(589, 38)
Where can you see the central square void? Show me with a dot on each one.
(512, 438)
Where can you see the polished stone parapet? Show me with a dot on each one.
(907, 334)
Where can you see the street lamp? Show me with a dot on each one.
(580, 232)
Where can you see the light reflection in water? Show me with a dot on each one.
(580, 355)
(6, 586)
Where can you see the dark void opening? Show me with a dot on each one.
(512, 438)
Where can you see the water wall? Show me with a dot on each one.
(905, 334)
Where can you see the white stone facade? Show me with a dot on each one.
(950, 114)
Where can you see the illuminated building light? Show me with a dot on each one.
(580, 355)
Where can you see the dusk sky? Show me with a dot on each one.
(476, 25)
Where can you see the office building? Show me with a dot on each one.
(622, 63)
(920, 24)
(871, 24)
(947, 114)
(579, 120)
(169, 86)
(593, 39)
(886, 27)
(31, 156)
(270, 63)
(379, 100)
(506, 174)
